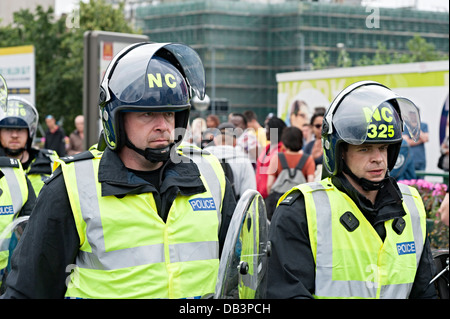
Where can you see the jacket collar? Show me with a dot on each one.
(388, 203)
(116, 179)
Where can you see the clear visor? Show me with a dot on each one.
(19, 113)
(354, 123)
(3, 93)
(132, 70)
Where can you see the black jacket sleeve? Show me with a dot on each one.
(41, 261)
(228, 206)
(31, 200)
(291, 271)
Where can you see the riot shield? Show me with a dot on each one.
(3, 93)
(243, 264)
(9, 238)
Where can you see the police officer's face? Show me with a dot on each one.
(149, 129)
(367, 161)
(14, 138)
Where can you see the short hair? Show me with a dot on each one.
(250, 115)
(316, 115)
(241, 116)
(276, 123)
(292, 138)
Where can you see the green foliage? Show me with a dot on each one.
(418, 50)
(321, 61)
(59, 50)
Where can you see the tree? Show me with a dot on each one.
(59, 53)
(418, 50)
(321, 61)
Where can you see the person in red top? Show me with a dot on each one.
(292, 139)
(274, 129)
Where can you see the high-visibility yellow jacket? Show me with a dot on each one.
(128, 251)
(14, 194)
(353, 262)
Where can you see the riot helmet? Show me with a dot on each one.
(150, 77)
(366, 112)
(20, 113)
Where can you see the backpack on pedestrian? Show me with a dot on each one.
(288, 178)
(229, 174)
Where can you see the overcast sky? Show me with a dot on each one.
(65, 6)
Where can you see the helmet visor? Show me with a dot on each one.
(20, 114)
(367, 115)
(3, 93)
(192, 66)
(132, 70)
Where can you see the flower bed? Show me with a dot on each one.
(432, 195)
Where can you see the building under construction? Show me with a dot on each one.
(244, 45)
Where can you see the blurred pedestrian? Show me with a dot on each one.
(274, 129)
(55, 136)
(76, 138)
(314, 147)
(418, 147)
(212, 121)
(246, 138)
(252, 123)
(242, 175)
(198, 126)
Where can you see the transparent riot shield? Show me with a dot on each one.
(243, 264)
(9, 237)
(3, 93)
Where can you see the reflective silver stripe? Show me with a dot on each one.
(402, 290)
(397, 291)
(194, 251)
(14, 188)
(122, 258)
(211, 178)
(325, 286)
(415, 219)
(129, 257)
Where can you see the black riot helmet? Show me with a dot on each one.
(150, 77)
(366, 112)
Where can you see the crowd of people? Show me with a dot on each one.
(259, 145)
(145, 213)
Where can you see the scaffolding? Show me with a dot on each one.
(243, 45)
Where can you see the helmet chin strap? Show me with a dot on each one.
(363, 182)
(154, 155)
(17, 152)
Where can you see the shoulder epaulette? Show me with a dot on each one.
(81, 156)
(9, 162)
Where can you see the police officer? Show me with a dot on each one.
(357, 233)
(17, 131)
(139, 220)
(17, 197)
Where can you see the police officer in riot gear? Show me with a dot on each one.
(17, 197)
(17, 131)
(371, 241)
(143, 218)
